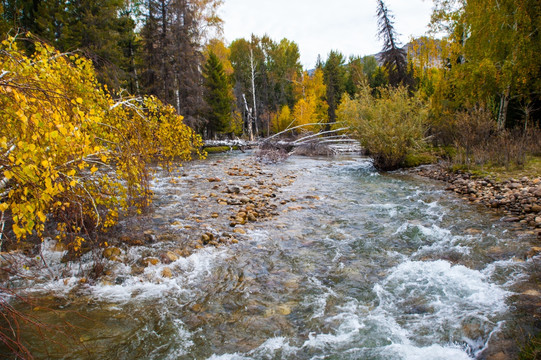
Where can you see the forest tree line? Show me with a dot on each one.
(172, 49)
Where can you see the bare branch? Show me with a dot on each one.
(301, 140)
(296, 127)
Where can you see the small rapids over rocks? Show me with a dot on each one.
(312, 258)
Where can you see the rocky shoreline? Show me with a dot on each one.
(518, 200)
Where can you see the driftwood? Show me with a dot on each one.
(323, 143)
(274, 149)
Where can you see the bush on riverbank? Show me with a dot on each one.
(479, 143)
(390, 126)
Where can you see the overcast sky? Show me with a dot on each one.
(319, 26)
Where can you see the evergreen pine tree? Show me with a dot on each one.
(217, 96)
(393, 56)
(335, 79)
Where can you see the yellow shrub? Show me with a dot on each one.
(69, 150)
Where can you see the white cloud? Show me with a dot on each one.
(319, 26)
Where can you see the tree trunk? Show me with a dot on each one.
(134, 67)
(504, 105)
(252, 67)
(164, 52)
(249, 118)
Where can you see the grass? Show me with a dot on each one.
(219, 149)
(417, 159)
(531, 169)
(428, 155)
(532, 350)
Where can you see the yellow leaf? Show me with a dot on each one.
(41, 216)
(79, 100)
(93, 169)
(4, 207)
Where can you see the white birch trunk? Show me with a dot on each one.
(504, 105)
(252, 67)
(249, 115)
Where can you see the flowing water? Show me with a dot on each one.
(366, 266)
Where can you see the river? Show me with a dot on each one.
(349, 264)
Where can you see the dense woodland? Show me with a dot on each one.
(121, 83)
(173, 50)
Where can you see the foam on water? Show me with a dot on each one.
(348, 329)
(438, 302)
(153, 285)
(318, 302)
(433, 352)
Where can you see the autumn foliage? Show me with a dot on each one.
(70, 151)
(389, 126)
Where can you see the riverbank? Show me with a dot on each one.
(519, 201)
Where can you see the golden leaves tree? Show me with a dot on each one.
(70, 154)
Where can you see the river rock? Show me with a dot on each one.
(244, 200)
(169, 257)
(514, 185)
(149, 261)
(240, 220)
(167, 273)
(294, 208)
(532, 292)
(197, 308)
(111, 252)
(498, 356)
(205, 238)
(284, 309)
(233, 190)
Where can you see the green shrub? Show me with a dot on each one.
(390, 126)
(417, 159)
(219, 149)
